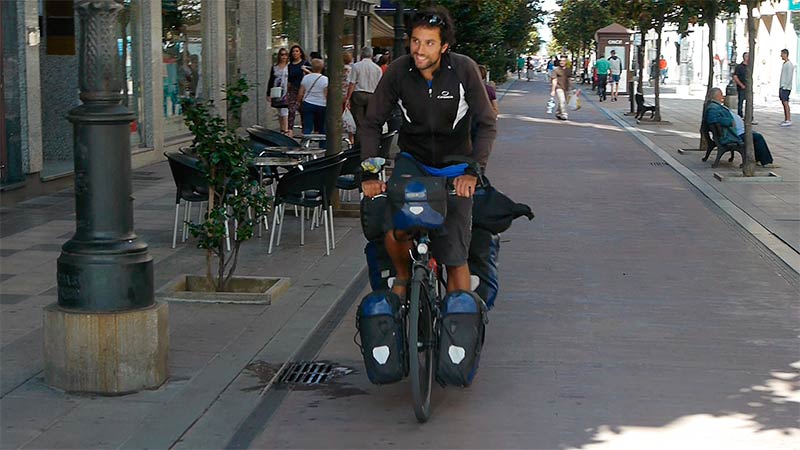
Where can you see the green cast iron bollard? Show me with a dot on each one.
(104, 266)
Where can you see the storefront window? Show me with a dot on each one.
(285, 23)
(182, 46)
(129, 48)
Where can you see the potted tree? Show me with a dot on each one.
(235, 200)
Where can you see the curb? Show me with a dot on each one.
(271, 399)
(771, 241)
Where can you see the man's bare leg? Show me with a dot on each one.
(458, 278)
(786, 113)
(401, 259)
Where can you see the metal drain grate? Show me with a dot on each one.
(659, 164)
(306, 372)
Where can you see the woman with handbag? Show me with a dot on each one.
(313, 97)
(298, 68)
(278, 89)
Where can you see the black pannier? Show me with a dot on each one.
(484, 255)
(379, 265)
(461, 334)
(379, 321)
(373, 216)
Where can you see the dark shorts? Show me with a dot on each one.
(615, 78)
(783, 94)
(450, 245)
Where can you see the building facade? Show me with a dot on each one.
(688, 60)
(171, 49)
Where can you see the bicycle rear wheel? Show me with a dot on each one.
(420, 345)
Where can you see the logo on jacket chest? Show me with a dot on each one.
(445, 95)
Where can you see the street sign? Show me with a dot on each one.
(637, 39)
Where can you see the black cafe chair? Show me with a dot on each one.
(271, 137)
(307, 186)
(349, 178)
(191, 187)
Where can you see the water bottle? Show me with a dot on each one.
(551, 105)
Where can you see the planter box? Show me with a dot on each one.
(247, 290)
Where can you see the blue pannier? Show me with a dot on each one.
(461, 335)
(379, 321)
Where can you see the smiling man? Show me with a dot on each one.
(440, 94)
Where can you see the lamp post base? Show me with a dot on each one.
(108, 353)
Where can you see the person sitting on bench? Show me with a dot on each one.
(733, 126)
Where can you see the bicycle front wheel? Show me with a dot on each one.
(420, 345)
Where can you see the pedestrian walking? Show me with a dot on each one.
(787, 73)
(364, 78)
(313, 97)
(279, 78)
(560, 87)
(520, 66)
(603, 69)
(616, 71)
(298, 68)
(662, 67)
(740, 78)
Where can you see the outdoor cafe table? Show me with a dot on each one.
(307, 139)
(299, 151)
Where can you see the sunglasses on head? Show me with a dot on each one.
(433, 20)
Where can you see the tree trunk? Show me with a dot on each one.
(749, 166)
(640, 56)
(333, 115)
(659, 28)
(712, 25)
(711, 30)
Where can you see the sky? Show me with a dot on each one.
(544, 31)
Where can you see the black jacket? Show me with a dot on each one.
(436, 121)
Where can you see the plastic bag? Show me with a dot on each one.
(348, 122)
(551, 105)
(575, 101)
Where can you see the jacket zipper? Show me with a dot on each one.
(430, 125)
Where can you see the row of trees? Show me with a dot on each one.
(493, 32)
(574, 26)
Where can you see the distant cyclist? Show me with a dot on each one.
(440, 94)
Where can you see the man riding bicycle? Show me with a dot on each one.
(440, 94)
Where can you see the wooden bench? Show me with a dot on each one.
(642, 107)
(716, 133)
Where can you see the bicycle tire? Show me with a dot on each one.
(420, 346)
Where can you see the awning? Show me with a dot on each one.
(379, 27)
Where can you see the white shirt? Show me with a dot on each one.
(365, 75)
(787, 72)
(616, 65)
(314, 85)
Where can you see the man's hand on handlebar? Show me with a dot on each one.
(371, 188)
(465, 185)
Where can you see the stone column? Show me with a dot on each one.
(30, 76)
(106, 334)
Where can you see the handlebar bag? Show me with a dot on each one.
(379, 322)
(461, 335)
(417, 202)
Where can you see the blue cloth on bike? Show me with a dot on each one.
(453, 171)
